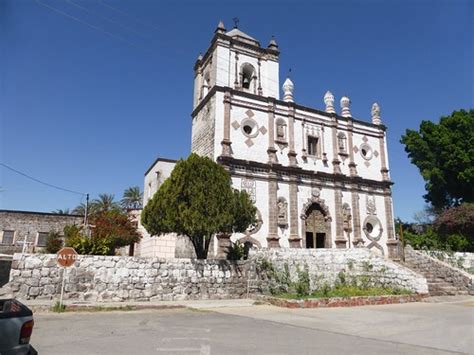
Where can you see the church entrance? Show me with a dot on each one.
(316, 228)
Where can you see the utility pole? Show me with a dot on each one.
(86, 213)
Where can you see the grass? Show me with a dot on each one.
(348, 291)
(60, 308)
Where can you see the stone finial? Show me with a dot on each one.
(288, 88)
(345, 107)
(273, 44)
(199, 58)
(220, 28)
(376, 114)
(329, 102)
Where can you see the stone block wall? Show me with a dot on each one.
(118, 278)
(325, 265)
(443, 278)
(122, 278)
(464, 261)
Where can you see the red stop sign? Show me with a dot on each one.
(66, 256)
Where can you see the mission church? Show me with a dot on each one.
(318, 177)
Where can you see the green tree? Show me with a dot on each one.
(105, 202)
(132, 198)
(444, 154)
(54, 242)
(456, 227)
(111, 230)
(62, 211)
(197, 201)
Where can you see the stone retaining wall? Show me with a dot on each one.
(464, 261)
(121, 278)
(116, 278)
(437, 269)
(325, 266)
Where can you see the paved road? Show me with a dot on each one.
(417, 328)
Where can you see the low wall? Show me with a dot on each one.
(460, 279)
(121, 278)
(5, 264)
(325, 266)
(464, 261)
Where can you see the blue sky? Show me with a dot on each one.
(93, 91)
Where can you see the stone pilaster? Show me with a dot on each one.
(383, 158)
(340, 240)
(259, 90)
(335, 161)
(294, 239)
(272, 238)
(226, 143)
(291, 135)
(236, 79)
(358, 242)
(392, 243)
(352, 164)
(199, 85)
(271, 151)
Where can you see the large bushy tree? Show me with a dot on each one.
(110, 230)
(444, 154)
(198, 201)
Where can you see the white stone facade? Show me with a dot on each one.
(318, 178)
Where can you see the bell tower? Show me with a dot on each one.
(236, 60)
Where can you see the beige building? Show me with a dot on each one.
(318, 176)
(31, 228)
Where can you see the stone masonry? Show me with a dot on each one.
(324, 266)
(118, 278)
(27, 225)
(443, 278)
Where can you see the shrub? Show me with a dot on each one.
(54, 242)
(235, 251)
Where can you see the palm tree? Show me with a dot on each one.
(62, 211)
(132, 198)
(105, 202)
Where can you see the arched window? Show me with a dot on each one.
(247, 75)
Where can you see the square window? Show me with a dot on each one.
(313, 145)
(7, 238)
(42, 239)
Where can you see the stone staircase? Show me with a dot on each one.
(442, 278)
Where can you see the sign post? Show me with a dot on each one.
(66, 257)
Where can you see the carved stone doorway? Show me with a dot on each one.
(317, 228)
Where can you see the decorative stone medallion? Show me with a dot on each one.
(372, 228)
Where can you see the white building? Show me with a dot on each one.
(318, 177)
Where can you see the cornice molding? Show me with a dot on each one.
(300, 173)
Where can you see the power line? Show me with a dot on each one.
(41, 182)
(102, 2)
(85, 23)
(106, 18)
